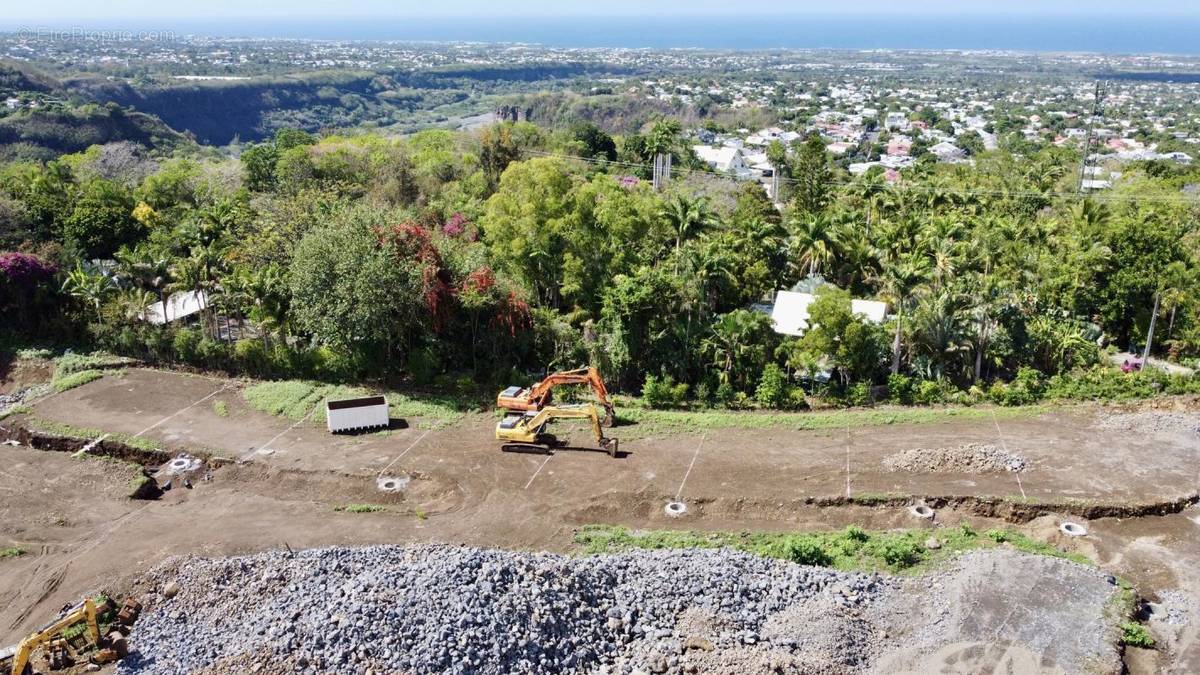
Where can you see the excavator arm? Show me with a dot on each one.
(527, 430)
(539, 395)
(84, 612)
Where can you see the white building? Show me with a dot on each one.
(789, 315)
(179, 305)
(947, 152)
(723, 159)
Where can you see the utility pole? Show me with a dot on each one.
(662, 170)
(1150, 333)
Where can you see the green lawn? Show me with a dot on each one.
(851, 549)
(644, 421)
(295, 399)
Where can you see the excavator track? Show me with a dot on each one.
(529, 448)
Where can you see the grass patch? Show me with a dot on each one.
(59, 429)
(294, 399)
(74, 363)
(851, 549)
(649, 421)
(221, 409)
(11, 552)
(1136, 635)
(15, 410)
(359, 508)
(76, 379)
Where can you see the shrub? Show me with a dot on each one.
(724, 393)
(800, 549)
(212, 353)
(663, 392)
(424, 365)
(186, 345)
(772, 390)
(1026, 388)
(859, 394)
(901, 552)
(251, 356)
(1136, 635)
(797, 399)
(855, 533)
(929, 392)
(900, 389)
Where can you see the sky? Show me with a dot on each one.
(68, 10)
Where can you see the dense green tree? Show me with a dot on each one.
(812, 176)
(349, 293)
(101, 221)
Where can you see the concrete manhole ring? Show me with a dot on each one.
(675, 509)
(920, 511)
(391, 483)
(182, 464)
(1073, 529)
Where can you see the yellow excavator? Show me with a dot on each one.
(527, 432)
(533, 399)
(65, 645)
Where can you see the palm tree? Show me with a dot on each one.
(262, 290)
(939, 332)
(91, 288)
(147, 269)
(733, 341)
(813, 244)
(897, 283)
(687, 216)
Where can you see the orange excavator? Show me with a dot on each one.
(533, 399)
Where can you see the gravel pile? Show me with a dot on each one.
(20, 396)
(1151, 421)
(969, 458)
(434, 609)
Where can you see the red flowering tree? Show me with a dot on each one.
(27, 290)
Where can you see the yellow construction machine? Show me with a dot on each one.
(526, 432)
(67, 638)
(533, 399)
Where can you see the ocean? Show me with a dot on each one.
(1099, 33)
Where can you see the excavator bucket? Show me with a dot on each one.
(610, 446)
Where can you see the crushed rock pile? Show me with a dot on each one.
(1151, 421)
(434, 608)
(969, 458)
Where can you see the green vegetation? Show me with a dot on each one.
(491, 256)
(850, 549)
(11, 552)
(1136, 635)
(68, 364)
(221, 409)
(68, 431)
(297, 399)
(655, 422)
(73, 380)
(360, 508)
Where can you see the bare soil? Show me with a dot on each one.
(281, 485)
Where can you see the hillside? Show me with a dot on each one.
(218, 111)
(46, 133)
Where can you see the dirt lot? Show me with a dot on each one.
(82, 533)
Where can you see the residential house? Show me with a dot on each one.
(948, 152)
(723, 159)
